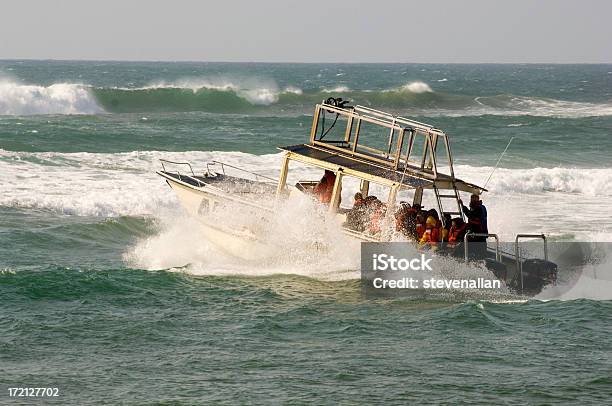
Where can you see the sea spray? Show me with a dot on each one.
(59, 98)
(298, 237)
(417, 87)
(75, 197)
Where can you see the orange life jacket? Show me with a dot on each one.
(435, 235)
(420, 229)
(455, 232)
(431, 236)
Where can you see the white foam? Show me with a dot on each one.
(293, 90)
(95, 184)
(307, 241)
(177, 244)
(296, 231)
(556, 201)
(255, 91)
(337, 89)
(560, 108)
(560, 201)
(538, 107)
(58, 98)
(592, 280)
(591, 182)
(416, 87)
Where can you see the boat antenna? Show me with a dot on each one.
(498, 161)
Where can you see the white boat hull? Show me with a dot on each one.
(238, 244)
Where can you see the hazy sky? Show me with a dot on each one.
(562, 31)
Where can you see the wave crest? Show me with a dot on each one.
(591, 182)
(513, 105)
(59, 98)
(417, 87)
(255, 94)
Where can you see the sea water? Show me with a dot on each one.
(109, 292)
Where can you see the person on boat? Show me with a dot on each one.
(356, 217)
(402, 217)
(324, 189)
(477, 213)
(420, 226)
(413, 212)
(369, 203)
(433, 213)
(438, 226)
(457, 232)
(411, 226)
(405, 221)
(358, 201)
(445, 229)
(431, 236)
(377, 214)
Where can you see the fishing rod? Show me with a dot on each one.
(498, 161)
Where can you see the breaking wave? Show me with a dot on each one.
(59, 98)
(255, 92)
(414, 98)
(114, 186)
(417, 87)
(255, 95)
(101, 184)
(125, 184)
(512, 105)
(586, 182)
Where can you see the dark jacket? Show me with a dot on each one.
(479, 212)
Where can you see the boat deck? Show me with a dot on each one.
(228, 184)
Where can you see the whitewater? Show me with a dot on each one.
(108, 288)
(88, 146)
(255, 94)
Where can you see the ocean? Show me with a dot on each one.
(110, 293)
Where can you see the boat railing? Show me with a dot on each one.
(390, 119)
(192, 178)
(411, 146)
(223, 165)
(517, 251)
(487, 235)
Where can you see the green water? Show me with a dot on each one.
(115, 336)
(109, 293)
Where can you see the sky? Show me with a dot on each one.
(436, 31)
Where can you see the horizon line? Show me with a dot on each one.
(299, 62)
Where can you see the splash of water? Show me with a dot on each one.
(58, 98)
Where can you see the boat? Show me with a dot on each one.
(369, 148)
